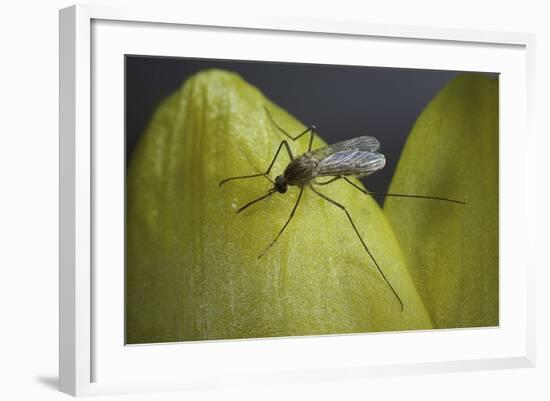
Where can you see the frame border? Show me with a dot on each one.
(75, 169)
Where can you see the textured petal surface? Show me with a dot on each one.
(452, 250)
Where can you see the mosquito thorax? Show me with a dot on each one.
(280, 184)
(300, 171)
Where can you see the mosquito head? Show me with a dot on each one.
(280, 184)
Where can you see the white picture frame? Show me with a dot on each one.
(92, 353)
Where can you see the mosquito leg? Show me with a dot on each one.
(402, 195)
(240, 178)
(329, 181)
(362, 242)
(286, 224)
(312, 133)
(288, 150)
(283, 143)
(310, 129)
(255, 200)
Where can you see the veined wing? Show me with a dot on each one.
(357, 156)
(351, 162)
(361, 143)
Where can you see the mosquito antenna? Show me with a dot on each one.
(265, 175)
(402, 195)
(271, 192)
(260, 174)
(256, 168)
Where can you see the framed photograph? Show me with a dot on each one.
(277, 200)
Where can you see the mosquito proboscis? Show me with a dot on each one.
(357, 157)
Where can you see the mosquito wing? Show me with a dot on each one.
(357, 156)
(368, 143)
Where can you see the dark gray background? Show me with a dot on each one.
(341, 101)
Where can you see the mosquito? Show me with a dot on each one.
(357, 157)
